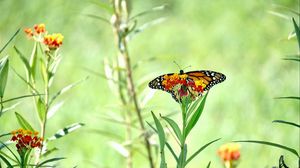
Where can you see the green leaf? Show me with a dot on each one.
(199, 150)
(33, 60)
(49, 160)
(103, 5)
(98, 18)
(52, 70)
(6, 134)
(162, 140)
(6, 161)
(4, 145)
(288, 97)
(41, 108)
(4, 63)
(49, 151)
(155, 9)
(174, 126)
(195, 116)
(286, 122)
(23, 123)
(24, 60)
(44, 72)
(65, 131)
(297, 30)
(65, 89)
(9, 40)
(172, 151)
(274, 145)
(144, 27)
(292, 59)
(208, 164)
(20, 97)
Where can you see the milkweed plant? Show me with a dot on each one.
(40, 69)
(189, 93)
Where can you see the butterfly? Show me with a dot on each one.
(192, 83)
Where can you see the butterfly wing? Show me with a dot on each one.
(156, 83)
(209, 78)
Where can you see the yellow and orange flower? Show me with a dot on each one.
(39, 28)
(229, 153)
(53, 41)
(28, 32)
(26, 140)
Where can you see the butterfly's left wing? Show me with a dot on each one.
(156, 83)
(209, 78)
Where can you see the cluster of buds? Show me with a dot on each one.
(26, 140)
(181, 86)
(230, 153)
(39, 33)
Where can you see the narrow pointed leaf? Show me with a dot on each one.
(9, 40)
(155, 9)
(297, 30)
(6, 161)
(4, 63)
(5, 145)
(119, 148)
(274, 145)
(199, 150)
(98, 18)
(172, 151)
(174, 127)
(24, 60)
(65, 89)
(20, 97)
(33, 60)
(195, 116)
(54, 109)
(289, 97)
(49, 161)
(23, 123)
(292, 59)
(41, 109)
(65, 131)
(44, 72)
(286, 122)
(208, 164)
(162, 140)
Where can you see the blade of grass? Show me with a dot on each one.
(286, 122)
(10, 40)
(199, 150)
(4, 63)
(272, 144)
(50, 160)
(288, 97)
(297, 30)
(20, 97)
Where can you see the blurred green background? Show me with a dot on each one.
(241, 39)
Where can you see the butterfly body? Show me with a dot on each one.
(187, 83)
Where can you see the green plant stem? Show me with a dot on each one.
(182, 157)
(120, 18)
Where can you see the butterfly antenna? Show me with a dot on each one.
(177, 64)
(187, 67)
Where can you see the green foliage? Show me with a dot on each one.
(23, 122)
(4, 63)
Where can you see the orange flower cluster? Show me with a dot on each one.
(39, 34)
(26, 139)
(38, 29)
(229, 152)
(53, 41)
(182, 86)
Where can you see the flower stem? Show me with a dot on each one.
(119, 19)
(183, 146)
